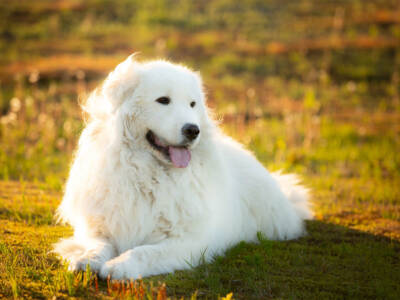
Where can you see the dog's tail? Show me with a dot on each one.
(296, 193)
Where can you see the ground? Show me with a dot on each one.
(311, 87)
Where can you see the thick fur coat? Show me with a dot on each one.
(146, 196)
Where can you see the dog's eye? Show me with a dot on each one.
(163, 100)
(192, 104)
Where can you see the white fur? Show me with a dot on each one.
(135, 214)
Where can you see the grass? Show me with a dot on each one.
(311, 87)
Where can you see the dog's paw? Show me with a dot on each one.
(92, 258)
(121, 267)
(81, 263)
(78, 256)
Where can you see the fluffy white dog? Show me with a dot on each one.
(155, 184)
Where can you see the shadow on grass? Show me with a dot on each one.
(332, 261)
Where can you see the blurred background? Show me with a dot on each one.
(309, 86)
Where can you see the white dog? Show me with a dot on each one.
(155, 185)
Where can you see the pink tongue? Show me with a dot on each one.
(180, 157)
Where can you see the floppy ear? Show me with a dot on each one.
(119, 82)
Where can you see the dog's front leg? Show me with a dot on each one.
(165, 257)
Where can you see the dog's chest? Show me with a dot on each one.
(158, 208)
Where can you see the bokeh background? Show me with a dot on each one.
(309, 86)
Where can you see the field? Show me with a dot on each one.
(310, 86)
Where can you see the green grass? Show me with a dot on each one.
(311, 87)
(332, 261)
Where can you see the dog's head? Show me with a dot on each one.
(161, 107)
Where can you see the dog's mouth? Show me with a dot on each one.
(178, 155)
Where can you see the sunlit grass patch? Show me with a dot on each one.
(25, 202)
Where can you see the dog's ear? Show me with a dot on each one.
(120, 82)
(199, 80)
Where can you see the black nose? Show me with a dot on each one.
(190, 131)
